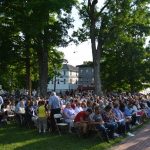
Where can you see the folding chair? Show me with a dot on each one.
(11, 117)
(59, 122)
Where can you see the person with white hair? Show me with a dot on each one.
(69, 115)
(54, 105)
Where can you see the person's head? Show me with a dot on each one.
(89, 111)
(97, 110)
(68, 105)
(78, 104)
(22, 103)
(28, 103)
(38, 98)
(83, 105)
(108, 108)
(95, 104)
(53, 93)
(40, 103)
(116, 105)
(89, 103)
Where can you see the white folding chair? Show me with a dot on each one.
(59, 122)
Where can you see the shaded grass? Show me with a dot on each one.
(15, 138)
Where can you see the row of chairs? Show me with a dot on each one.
(61, 126)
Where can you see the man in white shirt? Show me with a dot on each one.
(54, 105)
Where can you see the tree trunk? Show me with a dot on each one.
(27, 64)
(43, 68)
(97, 79)
(95, 50)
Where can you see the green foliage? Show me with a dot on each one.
(29, 28)
(55, 62)
(120, 31)
(124, 50)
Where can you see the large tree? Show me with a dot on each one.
(54, 33)
(124, 51)
(112, 29)
(41, 25)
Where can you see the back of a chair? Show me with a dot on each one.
(59, 122)
(57, 116)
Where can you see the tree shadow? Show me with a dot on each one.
(59, 143)
(16, 138)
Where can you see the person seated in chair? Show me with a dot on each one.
(82, 120)
(120, 119)
(100, 124)
(109, 119)
(69, 115)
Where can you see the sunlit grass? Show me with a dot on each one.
(16, 138)
(13, 137)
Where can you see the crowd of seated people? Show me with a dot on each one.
(118, 116)
(112, 115)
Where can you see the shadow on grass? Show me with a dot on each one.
(15, 138)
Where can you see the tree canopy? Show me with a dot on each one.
(117, 31)
(31, 32)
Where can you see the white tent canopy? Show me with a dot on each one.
(145, 91)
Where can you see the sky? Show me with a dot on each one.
(76, 55)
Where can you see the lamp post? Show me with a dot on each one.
(55, 81)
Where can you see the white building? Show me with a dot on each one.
(68, 79)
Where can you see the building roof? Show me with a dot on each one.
(85, 65)
(69, 67)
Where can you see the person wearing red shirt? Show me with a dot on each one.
(81, 120)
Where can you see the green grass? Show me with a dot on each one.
(15, 138)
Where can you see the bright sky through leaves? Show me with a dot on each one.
(76, 55)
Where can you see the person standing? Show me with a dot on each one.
(54, 105)
(42, 117)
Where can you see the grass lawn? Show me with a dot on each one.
(16, 138)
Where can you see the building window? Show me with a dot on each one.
(81, 71)
(70, 72)
(86, 70)
(52, 81)
(64, 72)
(76, 81)
(58, 81)
(92, 80)
(71, 81)
(64, 81)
